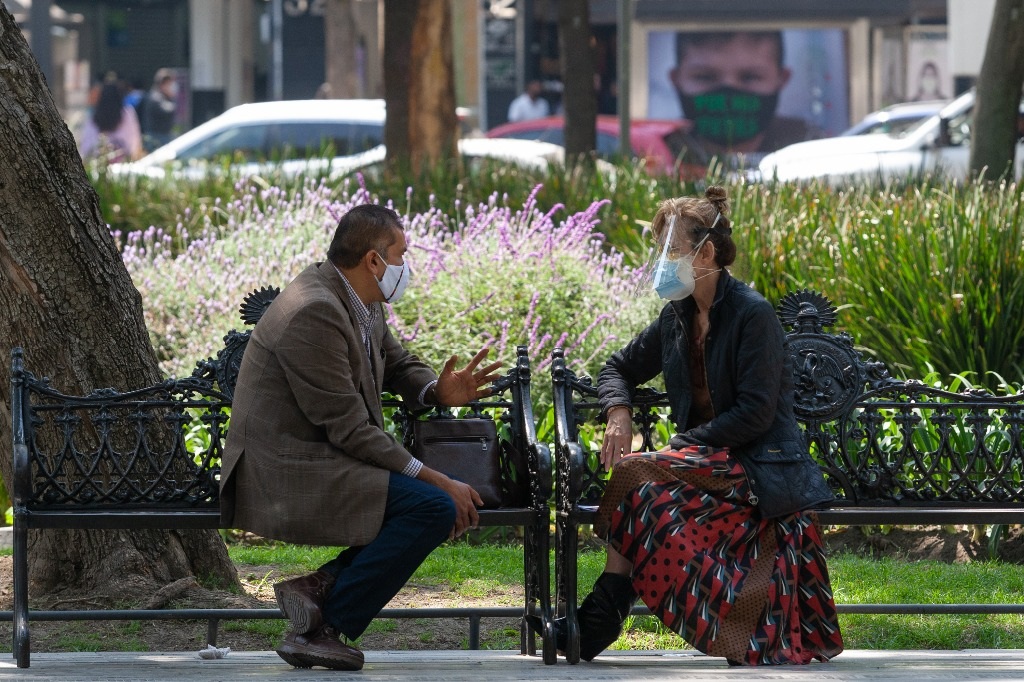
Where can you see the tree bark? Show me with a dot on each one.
(66, 297)
(419, 84)
(341, 39)
(351, 50)
(579, 96)
(999, 88)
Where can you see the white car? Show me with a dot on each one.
(291, 137)
(938, 145)
(896, 119)
(250, 136)
(475, 151)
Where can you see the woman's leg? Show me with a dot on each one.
(604, 610)
(616, 563)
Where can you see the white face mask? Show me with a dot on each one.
(394, 281)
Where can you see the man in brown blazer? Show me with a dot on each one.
(307, 459)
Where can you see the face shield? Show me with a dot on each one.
(669, 271)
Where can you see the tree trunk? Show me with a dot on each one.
(579, 96)
(419, 84)
(66, 297)
(341, 39)
(351, 50)
(994, 138)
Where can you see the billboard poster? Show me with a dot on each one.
(747, 92)
(928, 74)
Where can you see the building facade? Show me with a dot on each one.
(844, 59)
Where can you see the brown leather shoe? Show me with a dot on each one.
(320, 648)
(300, 599)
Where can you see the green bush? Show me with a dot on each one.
(489, 275)
(928, 276)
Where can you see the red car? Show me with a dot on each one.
(647, 138)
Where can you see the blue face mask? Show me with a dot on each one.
(673, 278)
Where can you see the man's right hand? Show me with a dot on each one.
(466, 500)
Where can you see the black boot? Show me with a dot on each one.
(602, 613)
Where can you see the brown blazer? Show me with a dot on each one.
(307, 459)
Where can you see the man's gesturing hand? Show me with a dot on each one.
(455, 388)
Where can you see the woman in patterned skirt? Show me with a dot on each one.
(737, 574)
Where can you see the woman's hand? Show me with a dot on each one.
(618, 437)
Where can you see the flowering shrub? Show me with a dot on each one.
(505, 278)
(489, 275)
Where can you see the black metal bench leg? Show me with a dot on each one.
(538, 616)
(20, 644)
(567, 541)
(543, 572)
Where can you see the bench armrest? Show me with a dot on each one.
(540, 461)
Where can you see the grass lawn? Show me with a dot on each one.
(474, 571)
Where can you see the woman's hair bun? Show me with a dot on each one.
(715, 193)
(717, 196)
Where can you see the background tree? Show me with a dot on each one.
(66, 297)
(579, 95)
(350, 27)
(419, 83)
(999, 89)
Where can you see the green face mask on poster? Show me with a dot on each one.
(726, 115)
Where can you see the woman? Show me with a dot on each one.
(113, 129)
(737, 574)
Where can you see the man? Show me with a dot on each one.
(307, 459)
(529, 105)
(728, 84)
(158, 109)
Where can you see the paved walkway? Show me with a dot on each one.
(500, 666)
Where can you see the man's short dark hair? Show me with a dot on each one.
(365, 228)
(687, 39)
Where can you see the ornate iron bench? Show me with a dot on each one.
(150, 458)
(895, 452)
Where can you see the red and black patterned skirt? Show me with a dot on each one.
(732, 584)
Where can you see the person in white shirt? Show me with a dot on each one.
(529, 105)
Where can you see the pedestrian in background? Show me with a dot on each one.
(529, 105)
(158, 109)
(112, 131)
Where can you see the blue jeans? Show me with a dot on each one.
(417, 518)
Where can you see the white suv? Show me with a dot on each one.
(265, 132)
(938, 145)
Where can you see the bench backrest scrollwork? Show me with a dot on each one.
(880, 441)
(162, 445)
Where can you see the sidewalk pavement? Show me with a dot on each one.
(500, 666)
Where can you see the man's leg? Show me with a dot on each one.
(418, 517)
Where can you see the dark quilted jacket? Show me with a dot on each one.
(751, 384)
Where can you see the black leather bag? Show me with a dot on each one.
(466, 450)
(784, 480)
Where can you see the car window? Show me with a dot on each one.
(305, 139)
(896, 127)
(365, 136)
(247, 142)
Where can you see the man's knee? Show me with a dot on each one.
(437, 512)
(445, 511)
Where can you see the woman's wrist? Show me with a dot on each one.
(626, 409)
